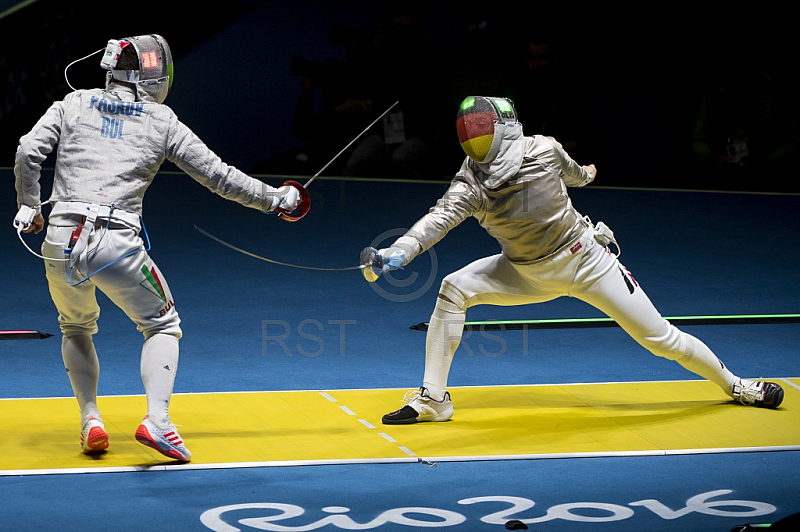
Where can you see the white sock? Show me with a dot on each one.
(158, 367)
(702, 361)
(444, 335)
(83, 369)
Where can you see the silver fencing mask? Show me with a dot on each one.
(155, 72)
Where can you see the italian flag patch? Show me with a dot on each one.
(152, 283)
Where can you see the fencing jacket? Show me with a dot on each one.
(529, 212)
(110, 147)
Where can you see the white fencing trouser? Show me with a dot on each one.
(135, 285)
(584, 270)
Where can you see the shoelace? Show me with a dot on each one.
(750, 393)
(412, 395)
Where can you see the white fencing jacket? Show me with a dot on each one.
(110, 148)
(527, 210)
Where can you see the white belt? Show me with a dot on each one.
(90, 212)
(107, 212)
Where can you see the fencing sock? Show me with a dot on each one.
(444, 334)
(699, 359)
(83, 369)
(158, 367)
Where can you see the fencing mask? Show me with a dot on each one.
(478, 120)
(154, 74)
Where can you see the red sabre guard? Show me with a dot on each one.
(302, 207)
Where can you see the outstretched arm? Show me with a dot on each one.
(192, 156)
(458, 203)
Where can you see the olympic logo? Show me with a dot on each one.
(267, 515)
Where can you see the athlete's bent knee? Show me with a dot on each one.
(171, 328)
(449, 293)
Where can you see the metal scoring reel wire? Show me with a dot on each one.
(19, 234)
(66, 77)
(303, 208)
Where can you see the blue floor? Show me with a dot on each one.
(703, 493)
(252, 325)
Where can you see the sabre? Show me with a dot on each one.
(369, 257)
(351, 143)
(305, 202)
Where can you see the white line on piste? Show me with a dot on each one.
(333, 400)
(411, 459)
(367, 424)
(328, 397)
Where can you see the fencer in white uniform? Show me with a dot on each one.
(516, 187)
(110, 144)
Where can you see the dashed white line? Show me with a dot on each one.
(406, 450)
(366, 423)
(328, 397)
(387, 437)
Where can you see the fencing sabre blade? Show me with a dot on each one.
(370, 258)
(304, 205)
(362, 266)
(305, 199)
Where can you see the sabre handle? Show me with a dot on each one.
(302, 207)
(374, 262)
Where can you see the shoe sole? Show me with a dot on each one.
(96, 441)
(445, 416)
(407, 421)
(143, 436)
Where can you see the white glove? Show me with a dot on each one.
(393, 259)
(381, 261)
(288, 198)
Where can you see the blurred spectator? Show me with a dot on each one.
(381, 65)
(406, 68)
(547, 94)
(747, 124)
(334, 104)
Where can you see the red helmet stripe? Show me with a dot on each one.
(473, 125)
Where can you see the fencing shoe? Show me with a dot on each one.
(758, 393)
(166, 441)
(94, 437)
(421, 407)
